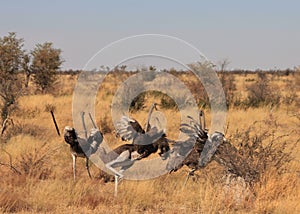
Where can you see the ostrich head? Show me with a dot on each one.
(70, 135)
(155, 106)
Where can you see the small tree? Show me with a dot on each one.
(223, 64)
(228, 82)
(11, 57)
(46, 62)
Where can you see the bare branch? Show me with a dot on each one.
(10, 165)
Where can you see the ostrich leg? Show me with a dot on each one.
(87, 166)
(188, 176)
(74, 166)
(93, 122)
(83, 124)
(109, 166)
(117, 180)
(116, 185)
(118, 174)
(186, 180)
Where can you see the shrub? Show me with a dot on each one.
(33, 163)
(257, 150)
(261, 93)
(229, 87)
(32, 160)
(198, 92)
(291, 94)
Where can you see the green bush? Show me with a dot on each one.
(138, 103)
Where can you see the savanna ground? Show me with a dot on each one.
(36, 165)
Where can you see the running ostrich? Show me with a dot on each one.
(83, 148)
(197, 151)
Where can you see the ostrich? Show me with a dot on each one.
(197, 151)
(122, 156)
(144, 143)
(188, 152)
(80, 147)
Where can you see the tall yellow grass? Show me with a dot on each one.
(56, 192)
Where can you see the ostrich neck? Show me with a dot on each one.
(149, 117)
(202, 116)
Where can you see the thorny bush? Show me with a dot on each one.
(259, 149)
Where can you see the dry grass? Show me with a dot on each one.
(46, 184)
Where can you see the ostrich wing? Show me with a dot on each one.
(194, 130)
(122, 160)
(175, 163)
(209, 149)
(128, 128)
(180, 151)
(182, 148)
(149, 137)
(91, 145)
(94, 140)
(113, 154)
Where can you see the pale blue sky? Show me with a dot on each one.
(251, 34)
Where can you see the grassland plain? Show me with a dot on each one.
(36, 170)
